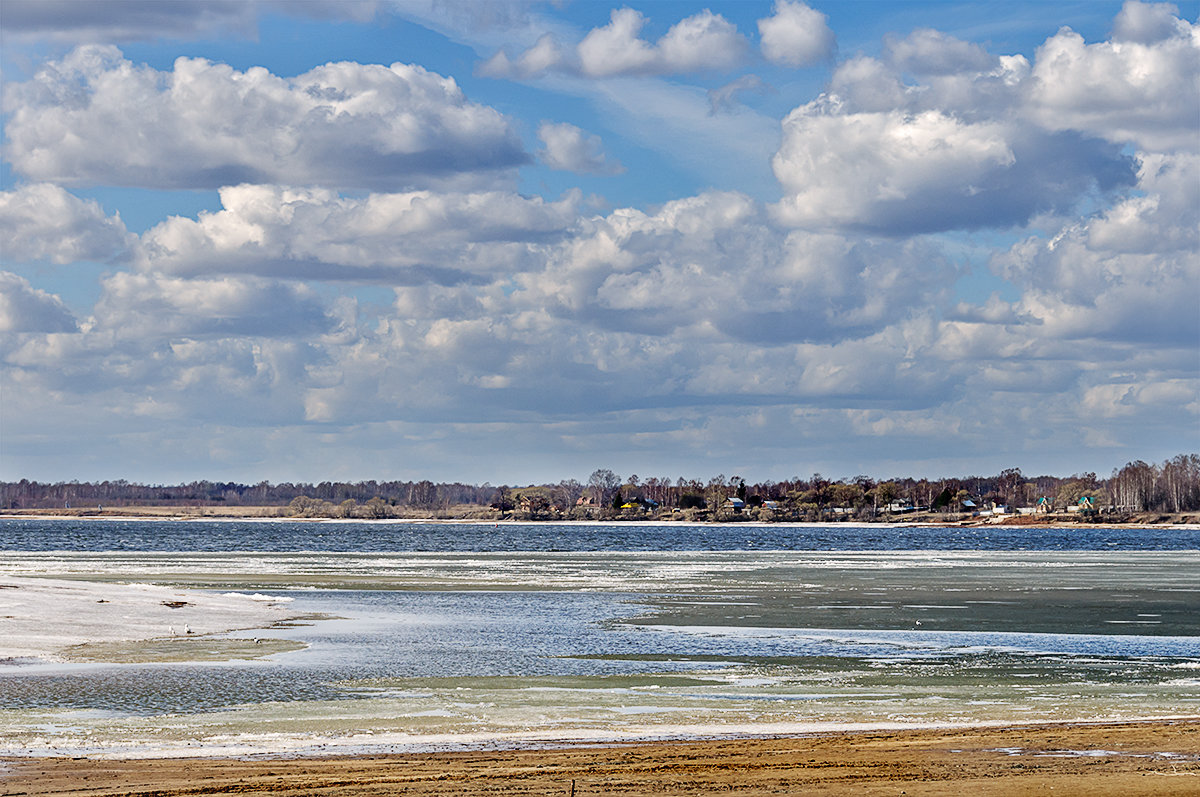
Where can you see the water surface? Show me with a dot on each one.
(618, 632)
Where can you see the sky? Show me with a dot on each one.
(514, 242)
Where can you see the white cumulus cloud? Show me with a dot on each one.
(1130, 274)
(206, 124)
(1144, 89)
(714, 266)
(153, 306)
(701, 42)
(566, 147)
(898, 172)
(1147, 23)
(931, 52)
(42, 222)
(405, 238)
(938, 134)
(796, 35)
(24, 308)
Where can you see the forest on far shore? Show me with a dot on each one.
(1138, 487)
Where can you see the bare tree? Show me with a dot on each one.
(571, 489)
(1133, 486)
(1009, 484)
(603, 483)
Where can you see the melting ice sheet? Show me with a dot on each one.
(440, 650)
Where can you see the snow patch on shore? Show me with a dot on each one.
(42, 618)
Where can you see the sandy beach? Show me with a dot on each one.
(1151, 758)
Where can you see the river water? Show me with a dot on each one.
(444, 636)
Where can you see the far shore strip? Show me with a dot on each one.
(42, 618)
(1183, 521)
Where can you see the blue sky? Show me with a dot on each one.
(517, 241)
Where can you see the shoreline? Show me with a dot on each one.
(1098, 758)
(1000, 522)
(376, 744)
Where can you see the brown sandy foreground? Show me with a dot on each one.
(1153, 758)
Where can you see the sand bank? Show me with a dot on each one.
(59, 620)
(1160, 758)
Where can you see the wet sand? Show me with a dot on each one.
(1151, 758)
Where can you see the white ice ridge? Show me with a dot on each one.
(41, 617)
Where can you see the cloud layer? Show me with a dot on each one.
(371, 283)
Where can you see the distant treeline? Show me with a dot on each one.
(1173, 486)
(40, 495)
